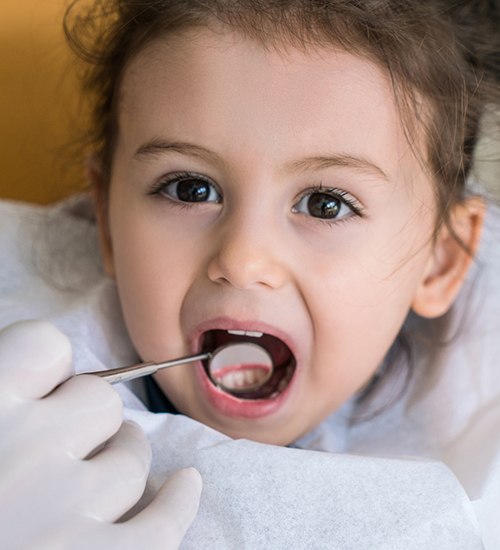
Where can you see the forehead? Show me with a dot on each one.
(227, 90)
(210, 64)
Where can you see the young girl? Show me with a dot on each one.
(296, 175)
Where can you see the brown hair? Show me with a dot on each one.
(439, 54)
(442, 57)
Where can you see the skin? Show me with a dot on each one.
(339, 289)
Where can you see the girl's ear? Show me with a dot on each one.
(99, 193)
(450, 261)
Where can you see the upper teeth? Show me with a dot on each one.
(252, 333)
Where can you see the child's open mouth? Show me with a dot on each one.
(247, 379)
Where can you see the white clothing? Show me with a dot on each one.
(425, 473)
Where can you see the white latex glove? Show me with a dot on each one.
(69, 467)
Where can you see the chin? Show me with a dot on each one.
(251, 430)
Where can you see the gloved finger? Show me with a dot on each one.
(34, 358)
(116, 476)
(164, 523)
(36, 494)
(79, 415)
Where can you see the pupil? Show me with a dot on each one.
(193, 191)
(321, 205)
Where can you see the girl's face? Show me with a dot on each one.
(265, 191)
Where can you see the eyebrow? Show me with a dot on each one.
(159, 146)
(338, 160)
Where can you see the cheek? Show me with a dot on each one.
(152, 280)
(359, 301)
(352, 337)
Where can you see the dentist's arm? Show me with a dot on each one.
(69, 466)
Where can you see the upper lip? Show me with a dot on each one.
(228, 323)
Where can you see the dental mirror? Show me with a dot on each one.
(240, 367)
(235, 368)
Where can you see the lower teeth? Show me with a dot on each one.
(263, 392)
(243, 380)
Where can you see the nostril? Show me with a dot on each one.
(245, 271)
(243, 255)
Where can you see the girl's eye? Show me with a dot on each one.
(327, 205)
(189, 189)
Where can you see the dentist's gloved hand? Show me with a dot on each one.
(69, 467)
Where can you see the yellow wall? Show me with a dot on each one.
(38, 106)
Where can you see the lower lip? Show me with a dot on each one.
(231, 406)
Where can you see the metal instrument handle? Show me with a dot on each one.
(124, 374)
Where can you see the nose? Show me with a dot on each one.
(248, 255)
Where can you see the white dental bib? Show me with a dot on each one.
(424, 473)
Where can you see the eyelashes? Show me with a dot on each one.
(324, 204)
(329, 204)
(187, 188)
